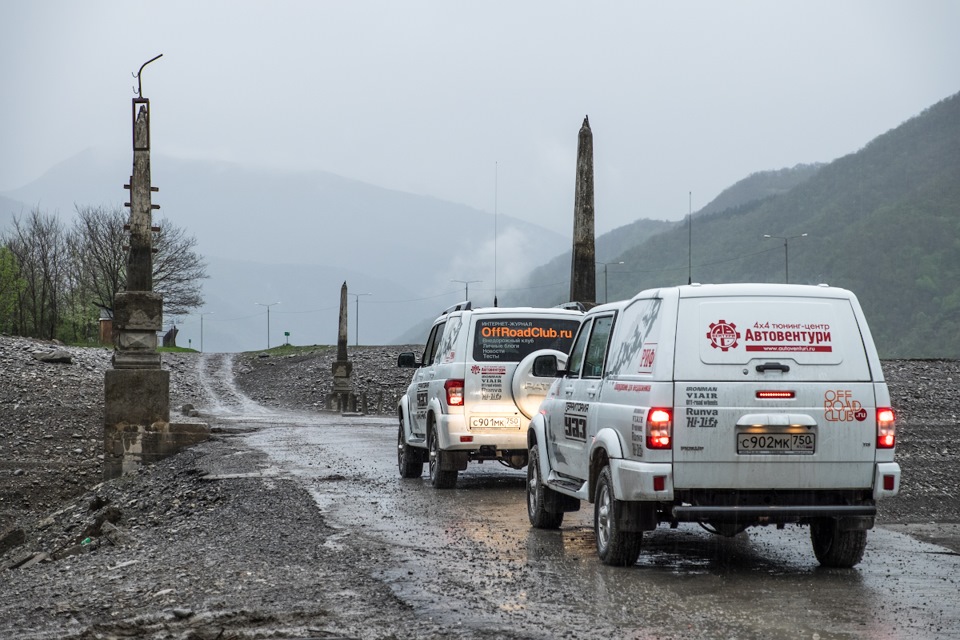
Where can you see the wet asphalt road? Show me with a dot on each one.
(470, 557)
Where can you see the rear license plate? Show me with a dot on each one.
(776, 443)
(495, 422)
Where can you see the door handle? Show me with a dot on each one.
(592, 392)
(774, 366)
(568, 391)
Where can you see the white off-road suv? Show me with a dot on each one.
(474, 391)
(727, 405)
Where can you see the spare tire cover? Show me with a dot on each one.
(528, 389)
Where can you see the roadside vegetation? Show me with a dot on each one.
(56, 280)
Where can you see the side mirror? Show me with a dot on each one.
(545, 366)
(407, 360)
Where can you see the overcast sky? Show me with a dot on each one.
(478, 102)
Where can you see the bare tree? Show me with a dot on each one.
(97, 245)
(58, 280)
(177, 269)
(99, 241)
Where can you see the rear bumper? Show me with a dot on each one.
(454, 435)
(773, 513)
(886, 480)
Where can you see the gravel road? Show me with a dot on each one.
(172, 554)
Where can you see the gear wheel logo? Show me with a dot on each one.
(723, 335)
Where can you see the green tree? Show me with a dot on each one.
(11, 287)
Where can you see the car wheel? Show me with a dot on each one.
(835, 548)
(537, 494)
(411, 466)
(615, 547)
(439, 478)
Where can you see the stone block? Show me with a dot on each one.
(130, 446)
(138, 311)
(136, 396)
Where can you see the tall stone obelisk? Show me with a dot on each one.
(342, 396)
(583, 274)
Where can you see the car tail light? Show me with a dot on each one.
(889, 483)
(454, 389)
(659, 427)
(886, 428)
(776, 395)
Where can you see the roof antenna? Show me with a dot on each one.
(496, 172)
(139, 89)
(690, 239)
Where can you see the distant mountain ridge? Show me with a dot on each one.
(342, 228)
(883, 222)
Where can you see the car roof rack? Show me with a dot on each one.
(460, 306)
(575, 306)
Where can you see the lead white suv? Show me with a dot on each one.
(474, 391)
(728, 405)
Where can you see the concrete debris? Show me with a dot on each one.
(60, 356)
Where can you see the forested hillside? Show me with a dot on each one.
(883, 222)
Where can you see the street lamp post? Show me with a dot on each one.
(466, 287)
(267, 305)
(201, 328)
(786, 253)
(357, 319)
(605, 277)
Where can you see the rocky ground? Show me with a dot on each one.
(170, 552)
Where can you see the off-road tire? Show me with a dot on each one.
(439, 478)
(835, 548)
(408, 458)
(615, 547)
(537, 494)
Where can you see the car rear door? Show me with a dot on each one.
(419, 391)
(572, 417)
(772, 393)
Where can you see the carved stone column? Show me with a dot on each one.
(137, 426)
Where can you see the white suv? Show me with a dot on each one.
(728, 405)
(474, 391)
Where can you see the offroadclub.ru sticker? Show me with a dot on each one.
(772, 337)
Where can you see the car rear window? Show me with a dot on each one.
(512, 339)
(818, 337)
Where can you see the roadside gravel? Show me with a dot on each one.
(171, 552)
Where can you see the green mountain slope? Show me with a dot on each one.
(883, 222)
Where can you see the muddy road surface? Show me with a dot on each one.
(293, 523)
(468, 558)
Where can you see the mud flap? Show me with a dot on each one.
(637, 516)
(453, 461)
(556, 502)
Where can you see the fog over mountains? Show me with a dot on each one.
(883, 221)
(294, 238)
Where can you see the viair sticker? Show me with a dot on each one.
(723, 335)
